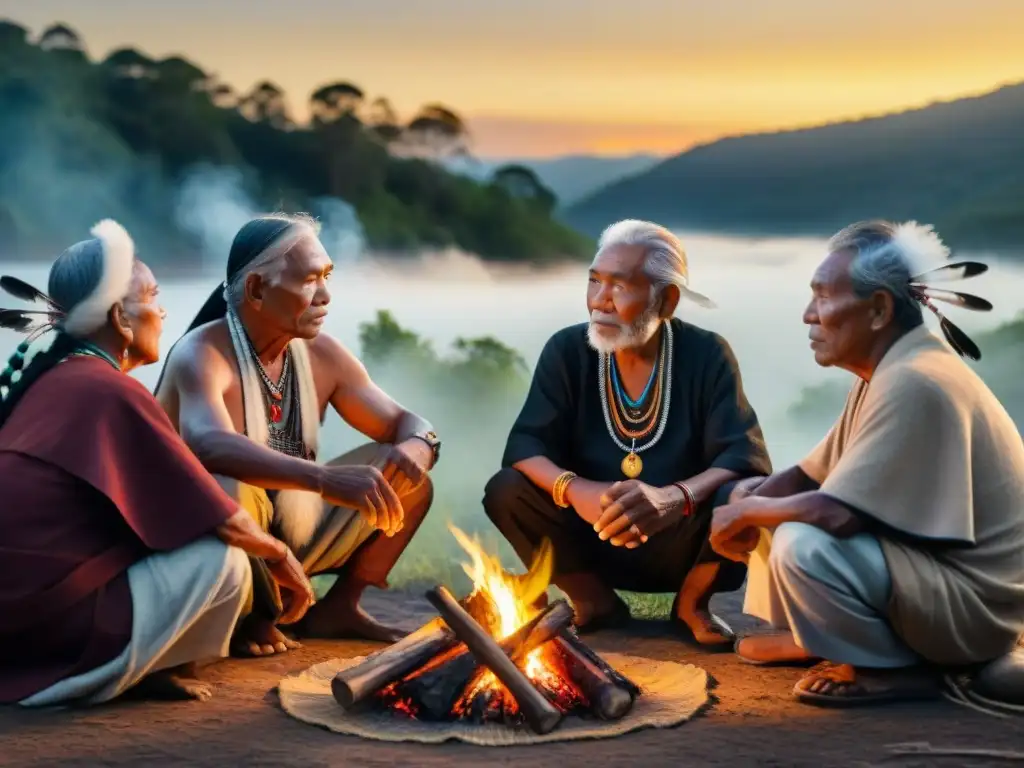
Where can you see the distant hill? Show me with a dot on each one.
(957, 164)
(570, 177)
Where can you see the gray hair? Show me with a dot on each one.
(880, 265)
(272, 257)
(664, 257)
(76, 274)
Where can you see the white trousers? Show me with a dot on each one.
(185, 606)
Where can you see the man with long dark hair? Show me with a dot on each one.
(247, 386)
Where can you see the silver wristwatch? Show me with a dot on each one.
(431, 439)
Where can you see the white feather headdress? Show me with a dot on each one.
(920, 245)
(90, 315)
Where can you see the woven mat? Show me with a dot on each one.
(672, 694)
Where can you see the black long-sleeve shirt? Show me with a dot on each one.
(710, 421)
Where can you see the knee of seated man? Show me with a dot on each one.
(502, 493)
(226, 564)
(237, 570)
(801, 548)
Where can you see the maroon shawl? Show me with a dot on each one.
(93, 478)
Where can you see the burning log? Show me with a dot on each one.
(457, 668)
(437, 687)
(355, 684)
(540, 714)
(619, 679)
(607, 700)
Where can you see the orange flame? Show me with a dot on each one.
(490, 579)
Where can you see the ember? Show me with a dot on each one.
(496, 656)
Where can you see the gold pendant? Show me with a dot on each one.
(632, 466)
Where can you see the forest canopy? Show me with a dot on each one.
(84, 139)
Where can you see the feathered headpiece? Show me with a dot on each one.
(86, 316)
(922, 249)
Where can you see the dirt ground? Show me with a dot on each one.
(754, 721)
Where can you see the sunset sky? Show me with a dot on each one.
(548, 77)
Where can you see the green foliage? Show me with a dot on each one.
(83, 140)
(481, 375)
(471, 395)
(523, 183)
(957, 165)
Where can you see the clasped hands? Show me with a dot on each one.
(628, 513)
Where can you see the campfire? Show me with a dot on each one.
(498, 655)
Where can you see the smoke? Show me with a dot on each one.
(341, 232)
(213, 203)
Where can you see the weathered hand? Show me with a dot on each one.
(364, 488)
(745, 487)
(297, 591)
(584, 496)
(732, 534)
(633, 511)
(405, 465)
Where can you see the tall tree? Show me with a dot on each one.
(130, 64)
(265, 103)
(334, 108)
(61, 37)
(521, 182)
(12, 36)
(382, 120)
(436, 131)
(332, 102)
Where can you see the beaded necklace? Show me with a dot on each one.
(88, 349)
(614, 404)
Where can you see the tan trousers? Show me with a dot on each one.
(340, 534)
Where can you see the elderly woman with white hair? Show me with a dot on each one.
(895, 549)
(635, 426)
(124, 562)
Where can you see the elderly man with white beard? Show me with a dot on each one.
(635, 427)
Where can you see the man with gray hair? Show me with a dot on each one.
(248, 386)
(896, 547)
(635, 426)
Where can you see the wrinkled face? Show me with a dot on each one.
(842, 325)
(623, 312)
(144, 314)
(295, 302)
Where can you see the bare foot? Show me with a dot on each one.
(347, 623)
(772, 650)
(259, 637)
(843, 685)
(175, 684)
(707, 628)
